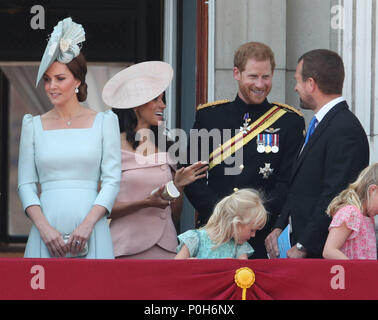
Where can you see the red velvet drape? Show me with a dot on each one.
(186, 279)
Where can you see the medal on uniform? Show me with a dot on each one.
(275, 147)
(246, 120)
(260, 143)
(268, 147)
(266, 171)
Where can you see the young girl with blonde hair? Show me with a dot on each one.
(352, 230)
(235, 219)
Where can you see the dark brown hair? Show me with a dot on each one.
(326, 68)
(128, 122)
(253, 50)
(78, 67)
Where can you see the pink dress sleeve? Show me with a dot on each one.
(351, 216)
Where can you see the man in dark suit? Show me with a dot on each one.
(257, 145)
(334, 152)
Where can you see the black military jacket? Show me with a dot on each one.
(266, 172)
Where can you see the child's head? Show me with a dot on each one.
(363, 193)
(237, 216)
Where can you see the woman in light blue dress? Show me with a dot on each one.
(73, 153)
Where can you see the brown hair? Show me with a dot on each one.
(255, 50)
(78, 67)
(326, 68)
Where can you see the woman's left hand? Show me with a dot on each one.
(79, 237)
(187, 175)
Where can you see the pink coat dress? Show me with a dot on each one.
(148, 228)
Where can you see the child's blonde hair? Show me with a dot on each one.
(357, 192)
(243, 206)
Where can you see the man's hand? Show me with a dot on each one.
(294, 253)
(271, 243)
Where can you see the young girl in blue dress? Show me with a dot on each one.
(235, 219)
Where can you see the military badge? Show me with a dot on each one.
(272, 130)
(266, 171)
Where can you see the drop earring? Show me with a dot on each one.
(76, 90)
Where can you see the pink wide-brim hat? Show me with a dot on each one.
(137, 84)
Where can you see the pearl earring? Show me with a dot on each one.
(76, 90)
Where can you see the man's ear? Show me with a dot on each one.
(311, 84)
(237, 74)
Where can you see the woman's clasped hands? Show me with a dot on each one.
(58, 246)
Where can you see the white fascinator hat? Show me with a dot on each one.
(63, 46)
(137, 84)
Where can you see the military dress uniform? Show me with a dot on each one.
(267, 135)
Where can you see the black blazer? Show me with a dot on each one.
(335, 154)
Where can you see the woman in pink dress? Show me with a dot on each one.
(352, 230)
(142, 225)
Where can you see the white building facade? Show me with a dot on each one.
(293, 27)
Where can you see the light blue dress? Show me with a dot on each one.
(202, 247)
(68, 164)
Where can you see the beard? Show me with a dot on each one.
(307, 103)
(250, 98)
(303, 104)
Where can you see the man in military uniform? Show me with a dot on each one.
(266, 135)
